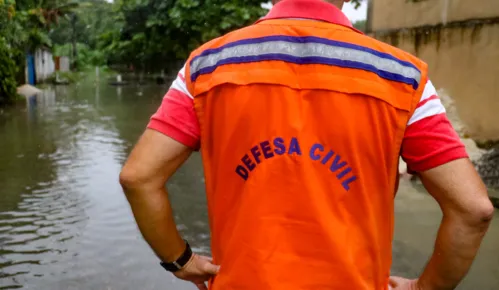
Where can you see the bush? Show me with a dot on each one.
(86, 57)
(8, 72)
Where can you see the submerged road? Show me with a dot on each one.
(65, 224)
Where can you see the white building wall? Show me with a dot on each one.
(44, 64)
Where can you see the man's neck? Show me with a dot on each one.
(337, 3)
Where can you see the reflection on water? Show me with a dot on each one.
(65, 224)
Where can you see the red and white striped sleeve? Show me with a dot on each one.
(176, 117)
(429, 139)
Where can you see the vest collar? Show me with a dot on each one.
(308, 9)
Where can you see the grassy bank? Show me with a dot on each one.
(71, 77)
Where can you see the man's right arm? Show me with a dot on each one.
(467, 212)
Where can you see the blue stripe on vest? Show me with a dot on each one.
(365, 58)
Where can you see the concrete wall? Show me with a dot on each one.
(395, 14)
(459, 39)
(465, 62)
(44, 64)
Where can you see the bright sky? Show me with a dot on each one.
(352, 13)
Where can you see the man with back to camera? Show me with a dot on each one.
(301, 120)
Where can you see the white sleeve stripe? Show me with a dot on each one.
(182, 71)
(179, 83)
(180, 86)
(431, 108)
(429, 90)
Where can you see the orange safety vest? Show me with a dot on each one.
(301, 127)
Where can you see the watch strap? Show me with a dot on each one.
(180, 262)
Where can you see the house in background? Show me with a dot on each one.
(42, 64)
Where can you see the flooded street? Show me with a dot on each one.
(65, 223)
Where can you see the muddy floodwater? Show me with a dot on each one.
(65, 224)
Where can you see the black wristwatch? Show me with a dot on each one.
(180, 262)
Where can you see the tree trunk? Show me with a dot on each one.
(75, 52)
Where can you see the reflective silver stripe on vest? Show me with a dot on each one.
(302, 50)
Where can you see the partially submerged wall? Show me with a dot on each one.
(463, 54)
(396, 14)
(44, 64)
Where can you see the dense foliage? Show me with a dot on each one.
(155, 33)
(7, 66)
(7, 74)
(78, 36)
(158, 33)
(146, 35)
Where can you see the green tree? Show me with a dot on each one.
(82, 29)
(92, 19)
(7, 66)
(7, 74)
(156, 33)
(7, 14)
(33, 24)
